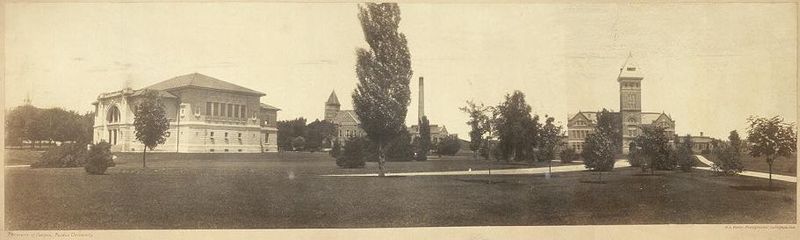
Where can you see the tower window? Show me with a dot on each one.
(631, 69)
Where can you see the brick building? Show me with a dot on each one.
(630, 116)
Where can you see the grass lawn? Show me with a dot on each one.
(285, 190)
(782, 165)
(21, 156)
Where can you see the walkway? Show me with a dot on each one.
(515, 171)
(748, 173)
(18, 166)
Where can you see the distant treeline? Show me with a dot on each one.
(34, 125)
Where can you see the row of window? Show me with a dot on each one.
(226, 110)
(579, 134)
(630, 85)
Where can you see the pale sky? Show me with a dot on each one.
(709, 66)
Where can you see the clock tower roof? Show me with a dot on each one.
(629, 70)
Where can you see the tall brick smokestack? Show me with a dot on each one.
(421, 99)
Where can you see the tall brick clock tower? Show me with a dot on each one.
(630, 101)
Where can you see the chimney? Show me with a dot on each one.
(421, 99)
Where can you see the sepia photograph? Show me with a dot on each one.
(399, 120)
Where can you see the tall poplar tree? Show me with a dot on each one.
(382, 95)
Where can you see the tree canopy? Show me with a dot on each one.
(150, 123)
(382, 94)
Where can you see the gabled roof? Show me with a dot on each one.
(651, 117)
(269, 107)
(332, 100)
(346, 116)
(201, 81)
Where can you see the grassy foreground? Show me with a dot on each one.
(285, 190)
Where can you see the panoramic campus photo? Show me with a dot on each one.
(262, 115)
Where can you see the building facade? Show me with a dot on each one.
(630, 117)
(205, 115)
(438, 133)
(346, 121)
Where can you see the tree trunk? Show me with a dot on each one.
(381, 161)
(770, 172)
(144, 153)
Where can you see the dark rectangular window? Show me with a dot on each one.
(236, 111)
(230, 110)
(208, 108)
(216, 109)
(244, 111)
(222, 109)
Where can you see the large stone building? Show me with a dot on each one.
(205, 115)
(630, 115)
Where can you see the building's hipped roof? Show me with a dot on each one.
(269, 107)
(332, 100)
(201, 81)
(161, 93)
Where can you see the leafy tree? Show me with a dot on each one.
(400, 148)
(771, 137)
(550, 139)
(318, 133)
(449, 146)
(598, 152)
(423, 142)
(684, 154)
(727, 159)
(382, 95)
(515, 127)
(150, 123)
(736, 142)
(298, 143)
(21, 125)
(479, 125)
(611, 125)
(654, 146)
(288, 130)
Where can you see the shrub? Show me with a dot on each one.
(449, 146)
(353, 155)
(568, 155)
(64, 156)
(99, 159)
